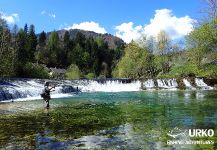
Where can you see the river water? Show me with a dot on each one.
(107, 120)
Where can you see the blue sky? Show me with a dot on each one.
(118, 17)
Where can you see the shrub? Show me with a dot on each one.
(90, 76)
(210, 70)
(32, 70)
(101, 77)
(185, 70)
(73, 72)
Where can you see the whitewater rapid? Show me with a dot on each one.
(30, 89)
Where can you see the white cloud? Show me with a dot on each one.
(88, 26)
(52, 15)
(63, 26)
(176, 27)
(43, 12)
(128, 32)
(10, 19)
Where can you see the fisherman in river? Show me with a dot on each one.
(46, 93)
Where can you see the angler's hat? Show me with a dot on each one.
(46, 84)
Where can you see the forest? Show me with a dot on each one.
(23, 53)
(27, 54)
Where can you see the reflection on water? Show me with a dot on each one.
(128, 120)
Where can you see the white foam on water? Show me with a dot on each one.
(201, 84)
(21, 90)
(30, 90)
(188, 84)
(110, 86)
(167, 83)
(38, 98)
(149, 84)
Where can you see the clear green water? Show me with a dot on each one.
(126, 120)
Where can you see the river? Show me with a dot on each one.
(110, 120)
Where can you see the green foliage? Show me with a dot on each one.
(3, 23)
(31, 43)
(201, 42)
(53, 40)
(90, 76)
(201, 51)
(185, 70)
(189, 69)
(136, 63)
(73, 72)
(8, 61)
(35, 71)
(101, 77)
(42, 39)
(66, 48)
(92, 58)
(21, 48)
(80, 39)
(53, 49)
(42, 54)
(26, 28)
(210, 70)
(26, 44)
(161, 63)
(8, 55)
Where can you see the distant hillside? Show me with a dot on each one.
(112, 41)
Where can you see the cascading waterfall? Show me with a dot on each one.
(32, 88)
(187, 84)
(21, 89)
(167, 83)
(149, 84)
(160, 83)
(201, 84)
(110, 86)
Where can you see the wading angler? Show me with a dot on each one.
(46, 93)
